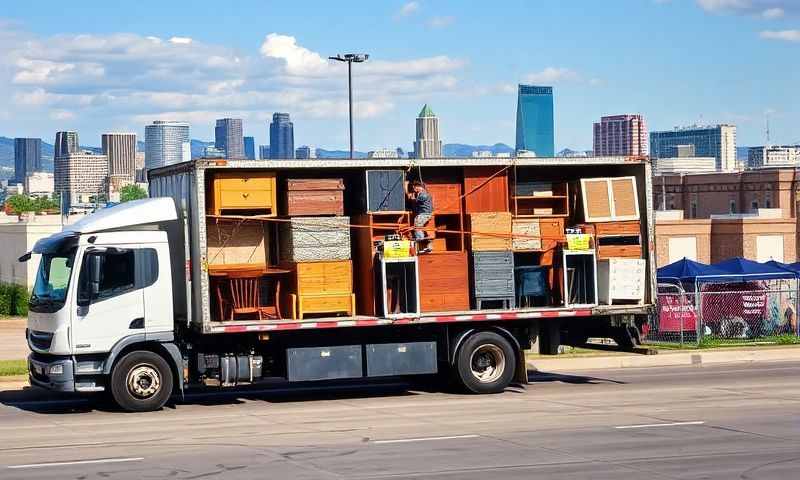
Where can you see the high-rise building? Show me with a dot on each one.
(166, 143)
(27, 157)
(39, 184)
(535, 127)
(81, 173)
(120, 148)
(382, 153)
(228, 137)
(213, 152)
(773, 156)
(717, 141)
(624, 135)
(250, 148)
(263, 152)
(305, 152)
(427, 144)
(281, 137)
(66, 142)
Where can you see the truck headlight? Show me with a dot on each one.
(57, 369)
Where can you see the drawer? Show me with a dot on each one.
(526, 234)
(619, 251)
(306, 184)
(446, 197)
(617, 228)
(317, 202)
(324, 303)
(443, 301)
(493, 259)
(485, 243)
(324, 278)
(245, 199)
(492, 288)
(237, 181)
(552, 228)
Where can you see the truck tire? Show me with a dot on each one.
(485, 363)
(141, 382)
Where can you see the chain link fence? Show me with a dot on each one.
(723, 314)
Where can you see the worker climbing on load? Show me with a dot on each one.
(422, 206)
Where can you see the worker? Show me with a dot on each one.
(422, 206)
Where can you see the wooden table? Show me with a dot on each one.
(227, 271)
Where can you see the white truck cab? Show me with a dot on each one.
(103, 285)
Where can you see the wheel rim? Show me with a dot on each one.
(488, 362)
(143, 381)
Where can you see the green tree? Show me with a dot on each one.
(20, 204)
(131, 192)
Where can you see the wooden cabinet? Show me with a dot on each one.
(323, 287)
(486, 189)
(490, 231)
(541, 199)
(444, 282)
(609, 199)
(312, 239)
(446, 197)
(616, 239)
(243, 192)
(526, 234)
(493, 277)
(314, 196)
(621, 280)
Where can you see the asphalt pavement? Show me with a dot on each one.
(733, 421)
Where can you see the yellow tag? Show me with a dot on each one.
(578, 241)
(397, 249)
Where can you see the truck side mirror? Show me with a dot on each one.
(91, 288)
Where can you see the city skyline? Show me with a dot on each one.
(102, 76)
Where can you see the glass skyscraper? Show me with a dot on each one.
(535, 129)
(718, 141)
(166, 143)
(250, 148)
(228, 137)
(27, 157)
(281, 137)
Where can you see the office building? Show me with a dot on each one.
(263, 152)
(250, 148)
(27, 157)
(281, 137)
(663, 166)
(624, 135)
(773, 156)
(120, 148)
(228, 137)
(717, 141)
(213, 152)
(305, 152)
(427, 144)
(39, 184)
(535, 127)
(382, 153)
(166, 143)
(66, 142)
(81, 173)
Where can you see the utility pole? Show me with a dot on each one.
(350, 58)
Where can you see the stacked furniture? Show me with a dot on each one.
(492, 258)
(317, 248)
(621, 280)
(243, 193)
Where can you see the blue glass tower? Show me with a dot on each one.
(250, 148)
(535, 129)
(281, 137)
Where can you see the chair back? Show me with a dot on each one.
(245, 293)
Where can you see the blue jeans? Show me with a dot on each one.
(420, 221)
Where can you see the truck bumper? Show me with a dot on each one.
(56, 374)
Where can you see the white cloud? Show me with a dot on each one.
(772, 13)
(299, 60)
(62, 115)
(785, 35)
(441, 22)
(180, 40)
(552, 75)
(768, 9)
(408, 9)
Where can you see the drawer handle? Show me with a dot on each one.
(245, 195)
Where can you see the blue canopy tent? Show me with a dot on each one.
(742, 270)
(685, 271)
(785, 266)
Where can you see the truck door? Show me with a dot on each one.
(110, 298)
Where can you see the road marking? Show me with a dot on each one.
(77, 462)
(652, 425)
(424, 439)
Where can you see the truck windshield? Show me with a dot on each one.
(52, 281)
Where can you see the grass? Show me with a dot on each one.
(716, 342)
(13, 367)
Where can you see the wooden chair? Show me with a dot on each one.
(245, 297)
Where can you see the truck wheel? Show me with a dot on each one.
(141, 382)
(485, 363)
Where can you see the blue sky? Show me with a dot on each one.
(100, 66)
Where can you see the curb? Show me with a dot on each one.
(666, 359)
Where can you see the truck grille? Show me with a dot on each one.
(40, 340)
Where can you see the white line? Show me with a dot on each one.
(424, 439)
(78, 462)
(675, 424)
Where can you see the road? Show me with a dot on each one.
(735, 421)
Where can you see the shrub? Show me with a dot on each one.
(21, 297)
(6, 299)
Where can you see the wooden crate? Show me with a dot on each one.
(243, 192)
(235, 243)
(526, 234)
(490, 231)
(322, 287)
(444, 282)
(314, 196)
(311, 239)
(485, 189)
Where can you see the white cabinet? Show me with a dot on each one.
(621, 280)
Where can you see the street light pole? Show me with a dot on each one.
(350, 58)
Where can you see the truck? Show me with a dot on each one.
(125, 302)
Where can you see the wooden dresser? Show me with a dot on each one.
(323, 287)
(243, 192)
(444, 282)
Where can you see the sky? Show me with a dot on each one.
(102, 66)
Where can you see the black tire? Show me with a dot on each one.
(485, 363)
(141, 382)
